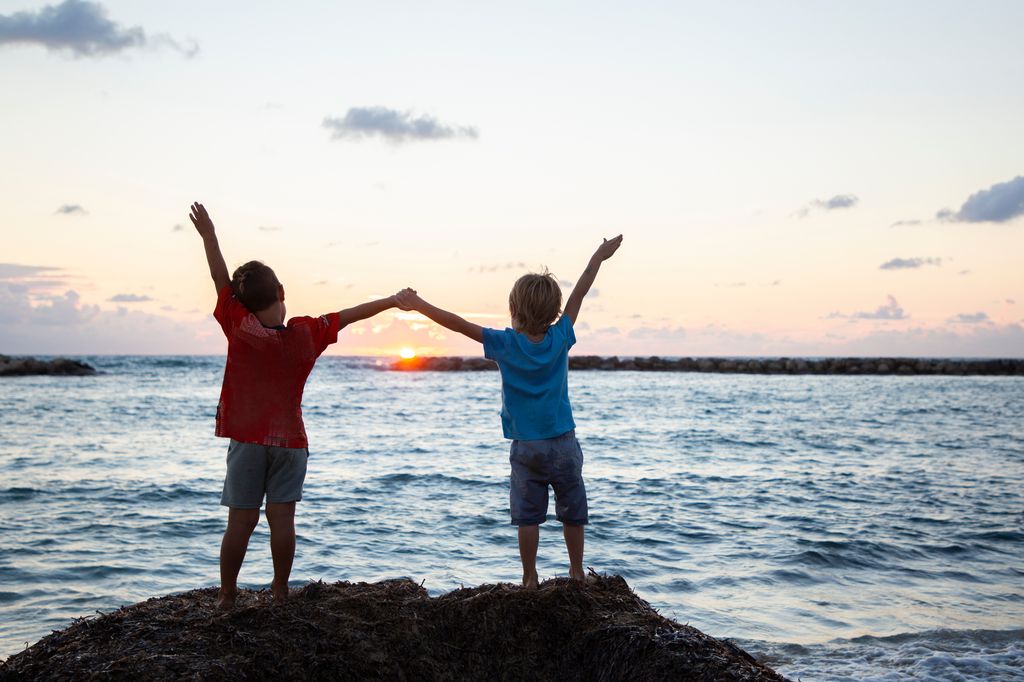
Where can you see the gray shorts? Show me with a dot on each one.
(255, 470)
(537, 464)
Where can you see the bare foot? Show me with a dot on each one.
(577, 574)
(530, 581)
(226, 599)
(280, 592)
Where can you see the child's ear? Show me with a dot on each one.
(280, 292)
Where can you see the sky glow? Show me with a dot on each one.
(812, 179)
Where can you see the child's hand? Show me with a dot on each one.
(608, 248)
(408, 299)
(201, 219)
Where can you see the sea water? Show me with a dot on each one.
(835, 527)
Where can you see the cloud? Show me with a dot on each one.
(178, 227)
(65, 325)
(82, 29)
(899, 223)
(510, 265)
(971, 318)
(71, 209)
(909, 263)
(269, 228)
(999, 203)
(890, 311)
(1010, 301)
(839, 201)
(392, 125)
(964, 272)
(14, 271)
(129, 298)
(658, 333)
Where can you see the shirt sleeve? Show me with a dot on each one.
(567, 329)
(229, 311)
(325, 331)
(495, 343)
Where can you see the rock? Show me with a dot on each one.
(17, 367)
(391, 630)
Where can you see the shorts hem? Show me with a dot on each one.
(230, 505)
(292, 499)
(528, 522)
(575, 522)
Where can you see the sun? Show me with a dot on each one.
(407, 353)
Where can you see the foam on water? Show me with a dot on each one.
(795, 509)
(953, 655)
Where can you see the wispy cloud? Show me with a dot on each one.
(890, 311)
(909, 263)
(971, 318)
(269, 228)
(178, 227)
(129, 298)
(393, 125)
(999, 203)
(900, 223)
(82, 29)
(71, 209)
(16, 271)
(838, 202)
(510, 265)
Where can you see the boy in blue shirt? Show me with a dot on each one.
(536, 415)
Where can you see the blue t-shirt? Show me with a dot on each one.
(534, 380)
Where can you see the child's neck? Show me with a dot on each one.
(272, 316)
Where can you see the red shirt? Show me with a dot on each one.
(261, 399)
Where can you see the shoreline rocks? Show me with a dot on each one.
(391, 630)
(20, 367)
(896, 366)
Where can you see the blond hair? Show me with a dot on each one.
(535, 302)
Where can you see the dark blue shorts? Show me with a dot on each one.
(537, 464)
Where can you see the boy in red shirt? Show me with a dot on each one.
(260, 405)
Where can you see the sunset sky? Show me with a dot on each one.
(790, 177)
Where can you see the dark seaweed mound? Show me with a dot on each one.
(391, 630)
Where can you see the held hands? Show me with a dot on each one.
(201, 219)
(403, 299)
(608, 248)
(408, 299)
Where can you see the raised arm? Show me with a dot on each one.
(204, 226)
(586, 280)
(369, 309)
(411, 300)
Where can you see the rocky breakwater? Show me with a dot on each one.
(850, 366)
(391, 630)
(18, 367)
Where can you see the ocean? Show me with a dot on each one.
(836, 527)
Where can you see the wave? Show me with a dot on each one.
(933, 655)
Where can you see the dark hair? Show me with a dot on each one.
(255, 285)
(535, 302)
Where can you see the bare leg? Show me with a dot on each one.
(241, 523)
(574, 543)
(281, 518)
(529, 538)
